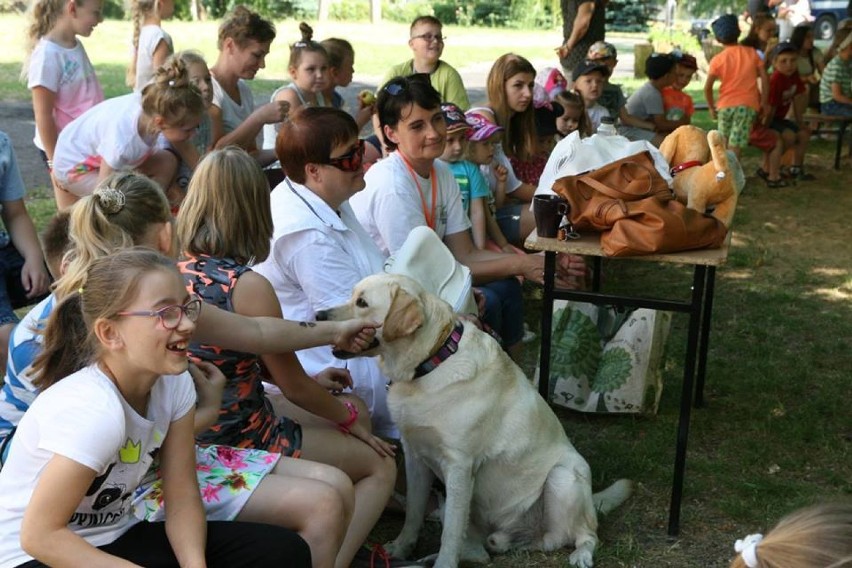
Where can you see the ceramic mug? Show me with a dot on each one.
(548, 210)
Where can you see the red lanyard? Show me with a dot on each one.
(430, 219)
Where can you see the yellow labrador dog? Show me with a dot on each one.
(467, 413)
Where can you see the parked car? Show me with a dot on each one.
(827, 14)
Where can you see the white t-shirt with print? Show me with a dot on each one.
(108, 132)
(84, 418)
(390, 206)
(69, 74)
(150, 37)
(316, 259)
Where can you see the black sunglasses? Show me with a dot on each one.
(351, 161)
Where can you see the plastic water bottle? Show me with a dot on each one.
(607, 127)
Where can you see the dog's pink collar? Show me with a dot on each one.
(450, 346)
(684, 166)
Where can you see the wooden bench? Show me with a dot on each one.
(840, 125)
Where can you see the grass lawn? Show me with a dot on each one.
(776, 433)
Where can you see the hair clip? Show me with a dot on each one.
(747, 547)
(110, 200)
(80, 290)
(300, 44)
(171, 82)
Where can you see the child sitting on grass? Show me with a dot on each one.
(678, 104)
(647, 102)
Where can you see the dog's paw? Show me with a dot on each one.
(498, 542)
(444, 561)
(399, 549)
(581, 558)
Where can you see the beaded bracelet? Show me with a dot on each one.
(353, 416)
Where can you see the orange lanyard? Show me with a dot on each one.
(430, 219)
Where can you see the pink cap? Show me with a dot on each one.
(481, 126)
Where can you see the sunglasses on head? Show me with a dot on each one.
(351, 161)
(401, 84)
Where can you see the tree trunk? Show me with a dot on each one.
(323, 10)
(375, 11)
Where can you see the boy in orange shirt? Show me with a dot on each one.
(676, 103)
(740, 71)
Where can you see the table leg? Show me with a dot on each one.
(704, 343)
(841, 131)
(546, 325)
(686, 396)
(597, 262)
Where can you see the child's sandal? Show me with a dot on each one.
(762, 174)
(776, 183)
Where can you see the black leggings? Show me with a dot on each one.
(229, 545)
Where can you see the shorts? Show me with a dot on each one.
(782, 124)
(834, 108)
(12, 293)
(763, 138)
(735, 124)
(504, 309)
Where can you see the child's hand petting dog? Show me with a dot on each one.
(381, 447)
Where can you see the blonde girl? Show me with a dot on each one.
(308, 68)
(122, 133)
(225, 225)
(115, 394)
(819, 535)
(58, 71)
(244, 41)
(151, 44)
(574, 116)
(128, 210)
(341, 67)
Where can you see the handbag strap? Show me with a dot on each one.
(615, 193)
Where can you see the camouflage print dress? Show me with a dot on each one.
(246, 419)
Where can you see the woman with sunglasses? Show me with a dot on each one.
(116, 395)
(218, 250)
(412, 188)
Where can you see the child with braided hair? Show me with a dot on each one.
(151, 44)
(58, 71)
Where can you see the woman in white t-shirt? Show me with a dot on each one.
(411, 188)
(117, 395)
(244, 41)
(151, 44)
(122, 133)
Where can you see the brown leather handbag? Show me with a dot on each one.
(629, 202)
(649, 226)
(628, 179)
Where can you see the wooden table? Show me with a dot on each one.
(699, 307)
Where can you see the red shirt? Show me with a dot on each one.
(782, 90)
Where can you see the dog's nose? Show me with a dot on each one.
(322, 315)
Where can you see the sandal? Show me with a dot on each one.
(762, 174)
(797, 173)
(776, 183)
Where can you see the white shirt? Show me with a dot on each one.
(69, 74)
(84, 418)
(390, 206)
(234, 114)
(108, 132)
(316, 259)
(150, 37)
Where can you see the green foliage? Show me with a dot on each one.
(665, 40)
(630, 15)
(712, 8)
(522, 14)
(277, 9)
(405, 12)
(350, 10)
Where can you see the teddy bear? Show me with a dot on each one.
(706, 175)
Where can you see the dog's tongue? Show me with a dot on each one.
(343, 354)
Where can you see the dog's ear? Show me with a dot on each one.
(404, 316)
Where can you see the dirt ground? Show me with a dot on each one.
(16, 120)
